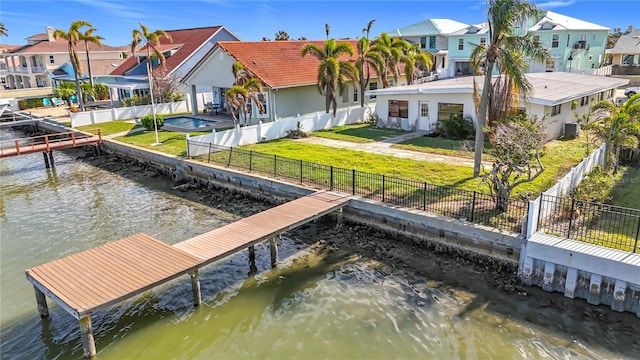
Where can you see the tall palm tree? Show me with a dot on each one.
(413, 57)
(88, 37)
(151, 40)
(391, 51)
(246, 89)
(73, 36)
(3, 30)
(333, 74)
(369, 59)
(504, 50)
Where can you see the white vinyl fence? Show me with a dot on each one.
(133, 112)
(562, 188)
(277, 129)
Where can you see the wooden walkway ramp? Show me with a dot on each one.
(103, 276)
(47, 143)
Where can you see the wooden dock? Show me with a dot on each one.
(103, 276)
(47, 143)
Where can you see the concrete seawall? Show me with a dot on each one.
(489, 242)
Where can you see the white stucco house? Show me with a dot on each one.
(555, 99)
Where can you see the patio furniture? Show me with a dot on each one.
(73, 99)
(56, 101)
(46, 102)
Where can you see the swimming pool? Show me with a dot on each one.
(188, 123)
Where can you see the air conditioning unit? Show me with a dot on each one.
(571, 130)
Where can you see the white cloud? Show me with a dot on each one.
(555, 4)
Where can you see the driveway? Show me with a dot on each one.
(384, 148)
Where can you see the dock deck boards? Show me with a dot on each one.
(84, 282)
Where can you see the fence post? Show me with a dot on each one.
(230, 152)
(250, 160)
(635, 246)
(209, 154)
(382, 187)
(331, 179)
(353, 181)
(473, 207)
(275, 168)
(424, 197)
(573, 202)
(300, 171)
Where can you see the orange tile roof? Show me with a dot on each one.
(279, 63)
(190, 39)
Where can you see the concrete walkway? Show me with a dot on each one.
(384, 148)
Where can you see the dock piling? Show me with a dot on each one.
(252, 260)
(88, 342)
(43, 309)
(46, 159)
(195, 287)
(273, 245)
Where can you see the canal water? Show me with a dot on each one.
(322, 301)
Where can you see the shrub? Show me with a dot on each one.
(147, 121)
(65, 90)
(30, 103)
(101, 91)
(595, 187)
(456, 128)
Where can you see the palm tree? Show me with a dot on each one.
(73, 36)
(369, 58)
(391, 51)
(505, 49)
(3, 30)
(413, 57)
(245, 89)
(88, 37)
(151, 40)
(617, 127)
(333, 74)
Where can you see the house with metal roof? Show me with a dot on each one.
(182, 52)
(33, 65)
(290, 83)
(555, 100)
(432, 35)
(626, 51)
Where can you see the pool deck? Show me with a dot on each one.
(218, 122)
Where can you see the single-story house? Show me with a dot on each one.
(289, 80)
(555, 99)
(627, 49)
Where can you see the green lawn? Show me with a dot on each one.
(359, 133)
(440, 146)
(108, 128)
(626, 191)
(173, 143)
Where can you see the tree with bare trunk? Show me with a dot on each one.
(72, 37)
(89, 37)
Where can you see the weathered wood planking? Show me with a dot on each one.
(251, 230)
(102, 276)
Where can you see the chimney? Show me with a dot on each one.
(50, 31)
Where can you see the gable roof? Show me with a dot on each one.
(278, 63)
(563, 22)
(549, 88)
(59, 46)
(430, 27)
(188, 41)
(481, 28)
(629, 43)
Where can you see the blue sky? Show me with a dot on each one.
(253, 20)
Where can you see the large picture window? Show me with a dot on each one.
(399, 108)
(448, 111)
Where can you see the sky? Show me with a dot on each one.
(251, 20)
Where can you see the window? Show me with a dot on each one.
(536, 40)
(556, 110)
(601, 96)
(423, 42)
(373, 86)
(450, 111)
(460, 44)
(555, 39)
(355, 94)
(345, 94)
(568, 39)
(610, 93)
(584, 101)
(424, 110)
(262, 98)
(594, 36)
(399, 108)
(483, 41)
(52, 60)
(432, 42)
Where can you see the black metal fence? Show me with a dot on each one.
(470, 206)
(607, 225)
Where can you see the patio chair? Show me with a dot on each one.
(208, 108)
(56, 101)
(46, 102)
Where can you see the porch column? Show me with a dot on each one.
(194, 100)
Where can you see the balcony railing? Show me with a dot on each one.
(3, 72)
(37, 69)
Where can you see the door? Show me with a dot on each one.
(423, 117)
